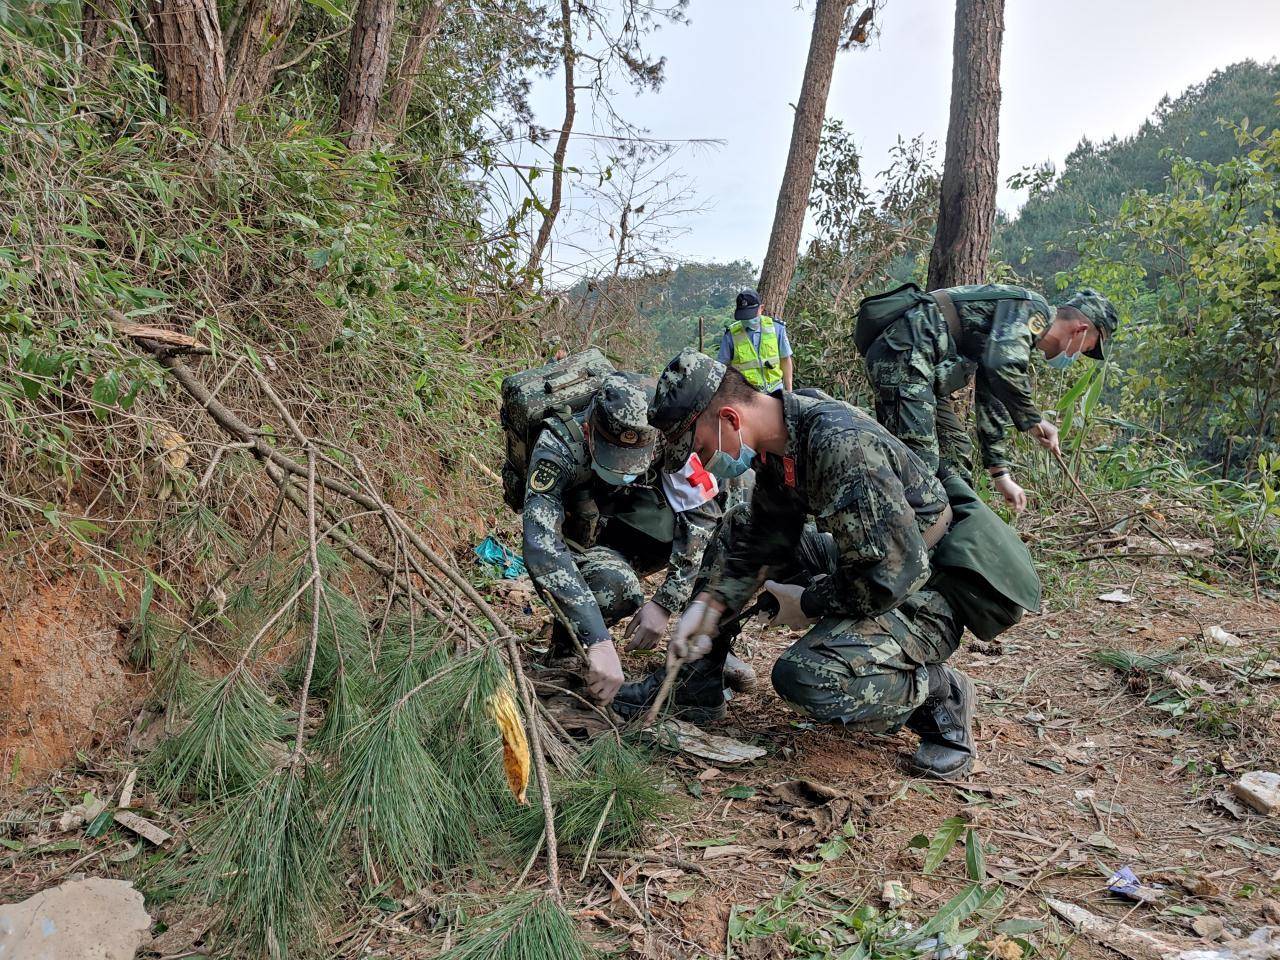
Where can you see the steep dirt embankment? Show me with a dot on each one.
(65, 681)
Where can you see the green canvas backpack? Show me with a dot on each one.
(548, 394)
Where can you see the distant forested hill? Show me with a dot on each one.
(1097, 175)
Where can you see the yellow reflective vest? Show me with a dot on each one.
(762, 368)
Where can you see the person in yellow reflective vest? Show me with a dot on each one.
(758, 346)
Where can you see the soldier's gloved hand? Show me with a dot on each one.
(1046, 435)
(790, 612)
(1013, 494)
(647, 627)
(691, 639)
(604, 671)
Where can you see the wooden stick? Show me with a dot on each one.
(664, 691)
(1079, 489)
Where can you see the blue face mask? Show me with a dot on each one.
(1066, 358)
(724, 467)
(610, 476)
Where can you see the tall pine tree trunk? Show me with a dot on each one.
(562, 141)
(258, 47)
(415, 52)
(966, 217)
(806, 133)
(100, 25)
(366, 71)
(187, 40)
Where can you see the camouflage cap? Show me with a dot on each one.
(621, 438)
(1098, 310)
(684, 390)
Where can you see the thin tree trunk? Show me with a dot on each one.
(806, 134)
(415, 51)
(562, 141)
(187, 40)
(258, 47)
(966, 217)
(366, 71)
(99, 33)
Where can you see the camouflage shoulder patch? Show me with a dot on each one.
(545, 475)
(1037, 325)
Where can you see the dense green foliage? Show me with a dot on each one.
(1196, 270)
(1095, 177)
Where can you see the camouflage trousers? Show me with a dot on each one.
(614, 582)
(867, 674)
(913, 372)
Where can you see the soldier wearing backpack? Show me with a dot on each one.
(598, 517)
(920, 348)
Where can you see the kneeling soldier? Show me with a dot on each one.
(894, 568)
(598, 518)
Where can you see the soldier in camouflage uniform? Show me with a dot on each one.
(596, 520)
(876, 633)
(915, 365)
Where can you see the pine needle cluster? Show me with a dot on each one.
(1130, 661)
(613, 798)
(529, 927)
(394, 772)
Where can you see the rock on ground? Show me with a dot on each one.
(92, 919)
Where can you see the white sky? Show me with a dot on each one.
(1071, 68)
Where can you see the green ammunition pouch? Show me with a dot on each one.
(982, 567)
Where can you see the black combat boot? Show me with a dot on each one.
(945, 725)
(697, 696)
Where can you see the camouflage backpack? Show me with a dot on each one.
(532, 397)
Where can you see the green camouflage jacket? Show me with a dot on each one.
(566, 501)
(861, 485)
(997, 336)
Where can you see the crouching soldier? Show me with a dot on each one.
(598, 517)
(893, 568)
(922, 347)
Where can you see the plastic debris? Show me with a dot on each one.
(98, 918)
(1262, 944)
(1116, 596)
(934, 949)
(1216, 634)
(505, 563)
(1123, 939)
(687, 738)
(1125, 883)
(1260, 790)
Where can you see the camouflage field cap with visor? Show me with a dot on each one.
(1098, 310)
(621, 438)
(684, 390)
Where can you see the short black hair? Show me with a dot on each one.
(734, 389)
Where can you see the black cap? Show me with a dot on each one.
(747, 305)
(684, 390)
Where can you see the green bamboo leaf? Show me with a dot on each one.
(975, 860)
(942, 843)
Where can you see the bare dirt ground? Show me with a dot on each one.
(1079, 774)
(1077, 777)
(64, 678)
